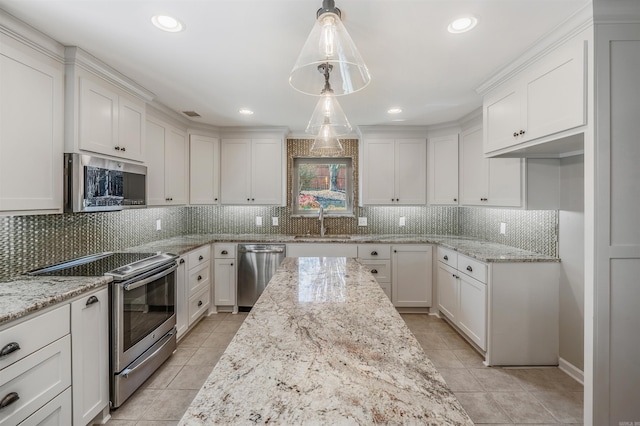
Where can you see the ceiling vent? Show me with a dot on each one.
(191, 114)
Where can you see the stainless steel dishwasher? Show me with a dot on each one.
(256, 265)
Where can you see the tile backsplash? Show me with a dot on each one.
(27, 242)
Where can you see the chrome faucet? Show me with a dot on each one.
(323, 230)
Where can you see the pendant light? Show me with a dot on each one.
(328, 111)
(326, 143)
(329, 43)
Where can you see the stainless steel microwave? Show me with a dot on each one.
(94, 184)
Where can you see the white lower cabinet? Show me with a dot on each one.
(411, 270)
(473, 309)
(193, 288)
(56, 412)
(182, 301)
(378, 259)
(90, 352)
(224, 273)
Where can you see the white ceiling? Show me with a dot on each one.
(238, 53)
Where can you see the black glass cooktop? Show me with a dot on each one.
(100, 264)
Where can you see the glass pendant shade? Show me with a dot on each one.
(326, 143)
(329, 43)
(328, 112)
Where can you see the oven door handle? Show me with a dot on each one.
(125, 373)
(136, 284)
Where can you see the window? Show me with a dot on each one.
(326, 182)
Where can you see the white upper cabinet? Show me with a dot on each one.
(31, 129)
(443, 170)
(252, 171)
(484, 181)
(105, 110)
(166, 164)
(394, 171)
(546, 100)
(204, 170)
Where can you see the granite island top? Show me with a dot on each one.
(324, 345)
(484, 251)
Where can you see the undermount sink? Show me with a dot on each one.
(322, 238)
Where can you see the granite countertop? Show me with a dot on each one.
(482, 250)
(23, 295)
(324, 345)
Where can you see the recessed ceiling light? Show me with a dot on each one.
(394, 110)
(245, 111)
(463, 24)
(167, 23)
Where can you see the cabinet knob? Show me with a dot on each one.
(469, 268)
(248, 199)
(9, 349)
(123, 149)
(92, 300)
(395, 251)
(9, 399)
(181, 261)
(392, 200)
(515, 134)
(374, 253)
(455, 200)
(446, 257)
(521, 132)
(253, 199)
(199, 303)
(117, 148)
(224, 252)
(232, 264)
(199, 277)
(374, 271)
(200, 257)
(215, 199)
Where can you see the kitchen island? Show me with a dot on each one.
(323, 344)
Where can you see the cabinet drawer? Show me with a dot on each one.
(380, 269)
(36, 380)
(56, 412)
(199, 278)
(225, 251)
(448, 257)
(473, 268)
(199, 256)
(199, 304)
(34, 334)
(374, 251)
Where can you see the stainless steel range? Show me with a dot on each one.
(142, 312)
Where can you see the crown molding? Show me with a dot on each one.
(243, 132)
(25, 34)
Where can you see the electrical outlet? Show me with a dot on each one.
(158, 225)
(274, 221)
(258, 220)
(362, 221)
(402, 221)
(503, 228)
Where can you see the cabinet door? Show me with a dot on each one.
(505, 182)
(131, 127)
(98, 118)
(473, 310)
(266, 171)
(182, 298)
(225, 282)
(502, 115)
(474, 169)
(31, 133)
(448, 290)
(56, 412)
(90, 355)
(412, 277)
(156, 136)
(235, 171)
(378, 172)
(411, 171)
(443, 170)
(175, 167)
(204, 170)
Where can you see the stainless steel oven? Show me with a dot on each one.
(142, 325)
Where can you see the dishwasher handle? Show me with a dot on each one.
(269, 249)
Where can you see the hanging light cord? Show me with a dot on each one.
(325, 69)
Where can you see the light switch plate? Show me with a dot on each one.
(402, 221)
(503, 228)
(258, 220)
(274, 221)
(158, 225)
(362, 221)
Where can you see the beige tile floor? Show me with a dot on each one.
(492, 396)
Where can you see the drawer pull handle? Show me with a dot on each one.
(469, 268)
(199, 277)
(224, 252)
(200, 257)
(446, 257)
(374, 253)
(374, 271)
(92, 300)
(9, 349)
(9, 399)
(181, 261)
(199, 303)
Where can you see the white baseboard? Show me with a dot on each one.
(571, 370)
